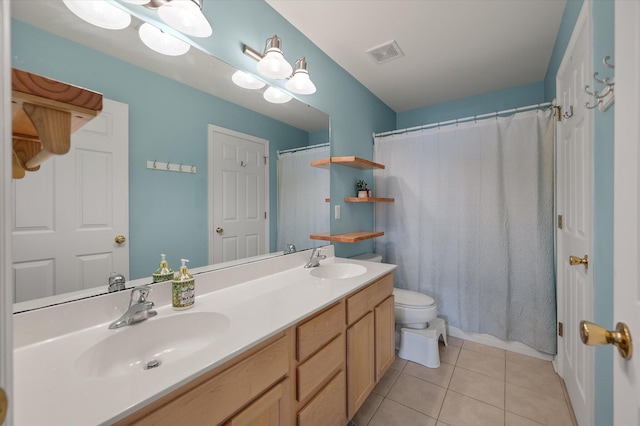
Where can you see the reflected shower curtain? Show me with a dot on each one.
(472, 223)
(302, 191)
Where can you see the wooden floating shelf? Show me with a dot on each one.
(351, 161)
(369, 200)
(45, 113)
(351, 237)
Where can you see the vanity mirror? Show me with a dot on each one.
(171, 103)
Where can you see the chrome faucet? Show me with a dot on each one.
(116, 282)
(315, 258)
(289, 248)
(139, 308)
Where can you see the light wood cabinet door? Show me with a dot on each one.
(268, 410)
(327, 408)
(385, 336)
(361, 375)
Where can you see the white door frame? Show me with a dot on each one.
(6, 289)
(217, 129)
(626, 211)
(584, 19)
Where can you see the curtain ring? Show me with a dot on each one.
(193, 169)
(180, 167)
(168, 166)
(154, 164)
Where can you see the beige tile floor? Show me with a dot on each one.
(475, 385)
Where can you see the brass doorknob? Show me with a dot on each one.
(575, 260)
(120, 239)
(219, 230)
(595, 335)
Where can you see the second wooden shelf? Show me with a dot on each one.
(351, 237)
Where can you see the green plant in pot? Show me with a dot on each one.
(363, 191)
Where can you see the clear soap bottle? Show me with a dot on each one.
(183, 289)
(163, 273)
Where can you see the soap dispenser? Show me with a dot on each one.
(163, 273)
(183, 288)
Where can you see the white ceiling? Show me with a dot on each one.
(453, 48)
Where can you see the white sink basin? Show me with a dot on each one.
(336, 271)
(151, 344)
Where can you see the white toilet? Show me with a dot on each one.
(418, 327)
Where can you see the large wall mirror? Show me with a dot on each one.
(173, 106)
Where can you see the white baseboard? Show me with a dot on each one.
(488, 340)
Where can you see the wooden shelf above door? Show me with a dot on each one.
(350, 161)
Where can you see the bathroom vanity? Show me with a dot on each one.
(267, 343)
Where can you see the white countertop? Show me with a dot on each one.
(273, 295)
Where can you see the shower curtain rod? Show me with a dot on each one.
(465, 119)
(304, 148)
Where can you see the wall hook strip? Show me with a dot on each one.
(171, 167)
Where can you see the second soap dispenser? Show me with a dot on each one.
(183, 288)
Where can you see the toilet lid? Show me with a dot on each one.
(410, 298)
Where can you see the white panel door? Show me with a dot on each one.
(575, 176)
(626, 383)
(68, 213)
(238, 195)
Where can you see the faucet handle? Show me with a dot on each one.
(139, 294)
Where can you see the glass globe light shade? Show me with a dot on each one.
(301, 83)
(276, 96)
(273, 65)
(99, 13)
(246, 81)
(185, 16)
(161, 42)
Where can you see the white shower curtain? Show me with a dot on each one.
(472, 223)
(302, 194)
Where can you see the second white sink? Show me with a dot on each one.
(334, 271)
(151, 344)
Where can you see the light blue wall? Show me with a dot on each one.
(513, 97)
(168, 211)
(603, 45)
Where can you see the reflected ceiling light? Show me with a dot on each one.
(136, 1)
(247, 81)
(273, 64)
(300, 82)
(99, 13)
(276, 96)
(156, 39)
(186, 16)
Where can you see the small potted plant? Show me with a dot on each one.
(363, 191)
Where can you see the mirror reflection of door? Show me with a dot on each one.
(237, 195)
(55, 252)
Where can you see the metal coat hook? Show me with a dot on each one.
(606, 64)
(569, 114)
(605, 97)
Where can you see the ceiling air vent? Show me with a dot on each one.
(385, 52)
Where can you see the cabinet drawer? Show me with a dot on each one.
(216, 399)
(365, 300)
(268, 410)
(328, 407)
(318, 331)
(320, 368)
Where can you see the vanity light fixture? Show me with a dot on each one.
(246, 81)
(300, 82)
(276, 96)
(272, 64)
(156, 39)
(100, 13)
(185, 16)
